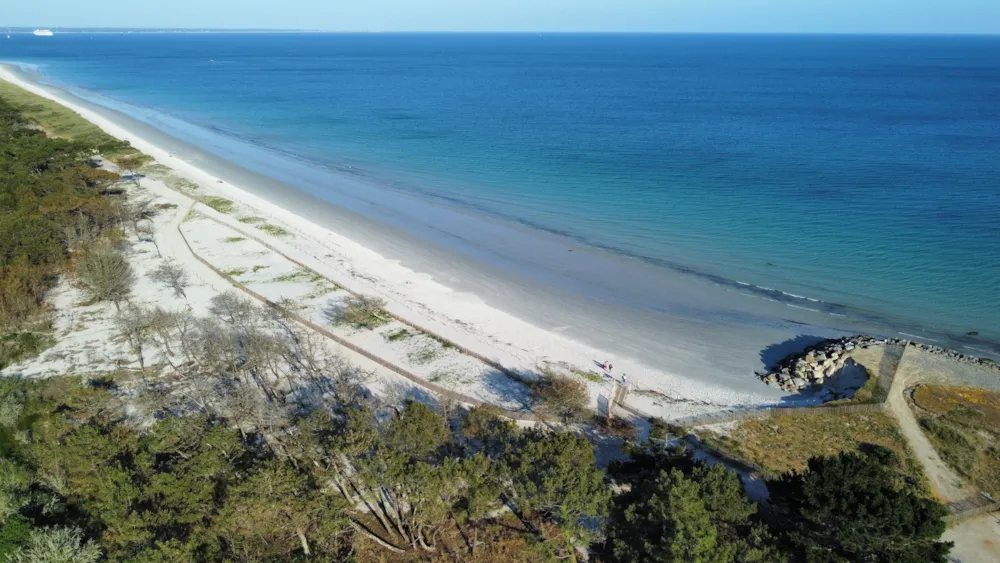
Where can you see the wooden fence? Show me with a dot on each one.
(437, 389)
(970, 508)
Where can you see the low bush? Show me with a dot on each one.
(562, 396)
(360, 312)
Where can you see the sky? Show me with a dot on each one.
(754, 16)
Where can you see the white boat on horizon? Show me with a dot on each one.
(43, 33)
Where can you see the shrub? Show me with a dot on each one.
(562, 396)
(106, 273)
(361, 312)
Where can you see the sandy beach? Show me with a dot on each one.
(444, 302)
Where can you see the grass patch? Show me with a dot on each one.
(425, 354)
(659, 429)
(784, 443)
(296, 276)
(251, 220)
(320, 291)
(398, 334)
(963, 423)
(220, 204)
(258, 268)
(236, 272)
(180, 184)
(588, 375)
(444, 343)
(446, 376)
(234, 239)
(58, 121)
(19, 346)
(360, 312)
(156, 171)
(274, 230)
(164, 206)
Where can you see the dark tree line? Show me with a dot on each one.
(364, 483)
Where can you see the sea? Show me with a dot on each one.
(834, 183)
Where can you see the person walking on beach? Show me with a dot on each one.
(624, 380)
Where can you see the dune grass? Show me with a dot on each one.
(220, 204)
(274, 230)
(234, 239)
(784, 443)
(963, 423)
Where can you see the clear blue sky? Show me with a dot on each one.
(824, 16)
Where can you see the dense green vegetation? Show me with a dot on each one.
(854, 507)
(361, 483)
(402, 483)
(52, 203)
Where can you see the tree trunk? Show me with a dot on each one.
(361, 528)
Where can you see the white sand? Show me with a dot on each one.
(414, 296)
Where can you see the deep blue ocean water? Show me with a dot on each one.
(862, 172)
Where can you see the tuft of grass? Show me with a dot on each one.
(425, 354)
(360, 312)
(398, 334)
(588, 375)
(296, 276)
(163, 206)
(274, 230)
(234, 239)
(180, 184)
(236, 272)
(220, 204)
(251, 220)
(258, 268)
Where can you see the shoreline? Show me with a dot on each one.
(703, 360)
(459, 316)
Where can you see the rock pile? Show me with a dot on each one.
(816, 363)
(957, 356)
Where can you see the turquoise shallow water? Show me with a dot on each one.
(853, 175)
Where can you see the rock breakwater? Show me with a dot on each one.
(816, 364)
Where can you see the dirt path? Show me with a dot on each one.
(948, 486)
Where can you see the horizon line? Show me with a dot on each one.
(113, 29)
